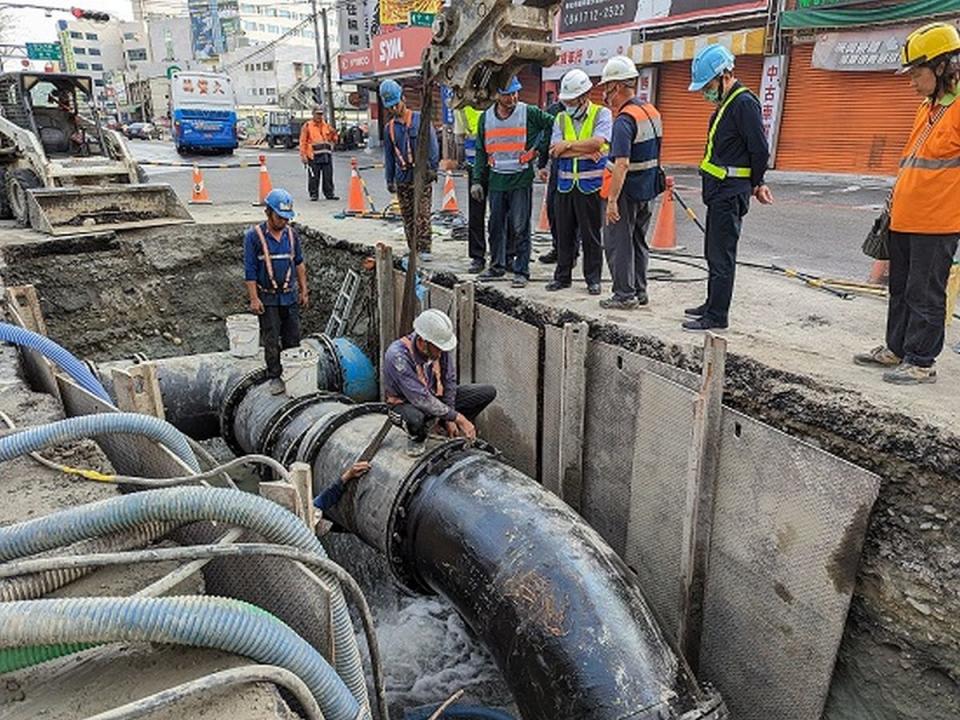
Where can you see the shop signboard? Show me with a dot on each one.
(355, 64)
(399, 51)
(588, 54)
(397, 12)
(864, 51)
(581, 18)
(771, 99)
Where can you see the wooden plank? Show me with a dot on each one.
(303, 482)
(25, 299)
(137, 389)
(464, 318)
(386, 302)
(40, 372)
(700, 496)
(572, 409)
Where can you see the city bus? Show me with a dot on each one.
(203, 109)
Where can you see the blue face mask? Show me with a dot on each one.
(712, 95)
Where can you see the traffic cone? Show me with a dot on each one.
(355, 204)
(265, 185)
(879, 272)
(543, 223)
(199, 195)
(449, 195)
(665, 232)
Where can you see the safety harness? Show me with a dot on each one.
(404, 162)
(708, 166)
(268, 262)
(421, 375)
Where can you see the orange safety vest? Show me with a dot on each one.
(649, 127)
(928, 183)
(316, 139)
(268, 261)
(437, 374)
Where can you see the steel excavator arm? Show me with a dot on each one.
(478, 45)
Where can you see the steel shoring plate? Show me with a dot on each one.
(788, 530)
(552, 379)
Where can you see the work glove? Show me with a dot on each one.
(476, 192)
(391, 188)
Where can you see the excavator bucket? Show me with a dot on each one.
(72, 210)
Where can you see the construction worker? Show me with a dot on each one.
(924, 223)
(317, 138)
(399, 152)
(331, 496)
(632, 180)
(510, 135)
(732, 170)
(579, 143)
(276, 280)
(477, 209)
(420, 383)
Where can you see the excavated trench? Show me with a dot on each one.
(166, 292)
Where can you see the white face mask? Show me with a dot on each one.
(576, 111)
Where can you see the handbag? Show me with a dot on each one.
(877, 243)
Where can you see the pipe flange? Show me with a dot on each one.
(277, 422)
(230, 404)
(317, 435)
(291, 453)
(335, 379)
(435, 462)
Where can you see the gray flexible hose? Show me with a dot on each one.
(216, 681)
(208, 622)
(187, 505)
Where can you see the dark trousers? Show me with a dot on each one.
(471, 401)
(919, 270)
(317, 169)
(510, 229)
(724, 221)
(625, 244)
(552, 202)
(579, 215)
(477, 221)
(279, 329)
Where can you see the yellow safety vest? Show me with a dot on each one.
(707, 165)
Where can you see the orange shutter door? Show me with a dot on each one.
(686, 115)
(853, 122)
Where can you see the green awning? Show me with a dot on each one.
(820, 18)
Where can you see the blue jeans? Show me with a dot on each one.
(510, 229)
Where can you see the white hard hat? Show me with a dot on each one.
(436, 328)
(619, 68)
(574, 84)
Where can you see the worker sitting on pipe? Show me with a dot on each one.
(420, 383)
(331, 496)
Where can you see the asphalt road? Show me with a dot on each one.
(817, 223)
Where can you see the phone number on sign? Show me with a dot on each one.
(606, 14)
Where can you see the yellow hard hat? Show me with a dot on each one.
(928, 43)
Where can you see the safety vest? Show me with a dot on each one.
(472, 119)
(268, 259)
(404, 160)
(928, 183)
(407, 341)
(644, 151)
(583, 173)
(505, 140)
(316, 140)
(707, 165)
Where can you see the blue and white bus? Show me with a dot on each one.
(204, 112)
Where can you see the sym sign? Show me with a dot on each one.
(401, 50)
(581, 18)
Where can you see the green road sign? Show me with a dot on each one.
(422, 19)
(171, 70)
(43, 51)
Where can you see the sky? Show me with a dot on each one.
(27, 25)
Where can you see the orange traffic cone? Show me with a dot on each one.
(265, 185)
(665, 232)
(543, 223)
(449, 195)
(879, 272)
(199, 195)
(355, 204)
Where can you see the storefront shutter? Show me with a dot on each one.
(853, 122)
(686, 115)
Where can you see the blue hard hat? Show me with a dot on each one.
(281, 202)
(390, 93)
(513, 87)
(708, 64)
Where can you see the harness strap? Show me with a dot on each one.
(268, 260)
(407, 162)
(421, 375)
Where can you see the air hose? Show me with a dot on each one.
(183, 506)
(208, 622)
(27, 440)
(56, 354)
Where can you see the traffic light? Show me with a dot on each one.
(96, 16)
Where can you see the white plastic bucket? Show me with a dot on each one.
(243, 332)
(299, 373)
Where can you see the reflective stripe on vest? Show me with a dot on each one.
(505, 140)
(708, 166)
(930, 163)
(644, 155)
(583, 173)
(421, 375)
(268, 261)
(470, 149)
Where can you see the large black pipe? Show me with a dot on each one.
(561, 614)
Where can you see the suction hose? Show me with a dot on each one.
(27, 440)
(190, 505)
(66, 361)
(208, 622)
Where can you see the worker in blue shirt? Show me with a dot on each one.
(276, 280)
(732, 170)
(331, 496)
(399, 153)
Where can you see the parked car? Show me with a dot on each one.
(143, 131)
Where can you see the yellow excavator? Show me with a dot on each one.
(61, 171)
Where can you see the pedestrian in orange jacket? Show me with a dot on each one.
(317, 138)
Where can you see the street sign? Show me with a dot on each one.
(43, 51)
(171, 70)
(422, 19)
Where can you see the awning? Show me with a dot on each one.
(915, 9)
(740, 42)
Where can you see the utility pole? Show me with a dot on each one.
(323, 56)
(327, 72)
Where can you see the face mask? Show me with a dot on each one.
(712, 95)
(576, 111)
